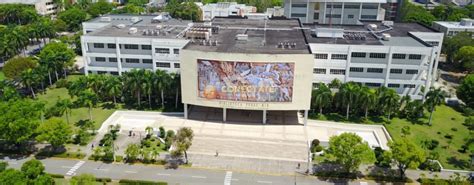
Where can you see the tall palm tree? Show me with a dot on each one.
(134, 80)
(367, 99)
(89, 99)
(176, 82)
(39, 74)
(433, 98)
(389, 101)
(322, 97)
(348, 94)
(148, 78)
(162, 82)
(113, 87)
(28, 80)
(64, 106)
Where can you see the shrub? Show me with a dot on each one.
(103, 180)
(438, 132)
(406, 130)
(61, 83)
(468, 111)
(314, 144)
(431, 144)
(448, 136)
(146, 143)
(426, 181)
(454, 129)
(453, 118)
(140, 182)
(430, 165)
(463, 149)
(73, 155)
(162, 132)
(318, 148)
(469, 123)
(118, 158)
(57, 176)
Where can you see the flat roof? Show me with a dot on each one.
(452, 24)
(361, 35)
(264, 36)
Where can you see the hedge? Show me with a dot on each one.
(105, 179)
(57, 176)
(140, 182)
(427, 181)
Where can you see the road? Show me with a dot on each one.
(179, 176)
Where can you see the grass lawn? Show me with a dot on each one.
(446, 120)
(2, 76)
(66, 182)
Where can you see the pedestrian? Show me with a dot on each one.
(299, 165)
(92, 146)
(217, 153)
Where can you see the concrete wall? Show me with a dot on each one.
(301, 89)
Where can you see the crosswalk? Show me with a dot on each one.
(228, 178)
(75, 167)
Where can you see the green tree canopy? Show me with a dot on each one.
(413, 13)
(183, 140)
(83, 179)
(12, 176)
(19, 119)
(406, 154)
(73, 18)
(350, 151)
(99, 8)
(32, 169)
(451, 45)
(184, 10)
(465, 56)
(54, 131)
(15, 66)
(465, 91)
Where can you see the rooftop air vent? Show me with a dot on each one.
(386, 36)
(105, 19)
(135, 19)
(242, 37)
(120, 26)
(132, 30)
(372, 26)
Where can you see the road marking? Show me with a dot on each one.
(199, 177)
(102, 169)
(265, 182)
(228, 178)
(66, 167)
(75, 167)
(131, 172)
(163, 174)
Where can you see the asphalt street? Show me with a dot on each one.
(180, 176)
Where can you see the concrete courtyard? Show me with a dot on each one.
(277, 149)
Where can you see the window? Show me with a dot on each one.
(132, 60)
(337, 71)
(409, 86)
(368, 16)
(372, 84)
(411, 71)
(101, 72)
(320, 56)
(112, 59)
(176, 65)
(414, 57)
(146, 47)
(351, 6)
(334, 6)
(99, 59)
(316, 15)
(176, 51)
(98, 45)
(350, 16)
(319, 71)
(111, 46)
(394, 85)
(162, 50)
(298, 15)
(163, 64)
(339, 57)
(131, 46)
(114, 73)
(357, 69)
(370, 6)
(396, 71)
(299, 5)
(377, 55)
(374, 70)
(147, 61)
(358, 55)
(398, 56)
(333, 15)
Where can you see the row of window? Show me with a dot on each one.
(364, 55)
(368, 16)
(136, 61)
(136, 47)
(360, 70)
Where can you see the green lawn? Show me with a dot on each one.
(2, 76)
(446, 120)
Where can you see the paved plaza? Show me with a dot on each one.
(278, 148)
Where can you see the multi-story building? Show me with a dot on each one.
(453, 28)
(224, 9)
(335, 12)
(43, 7)
(402, 56)
(117, 43)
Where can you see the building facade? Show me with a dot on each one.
(224, 9)
(335, 12)
(453, 28)
(43, 7)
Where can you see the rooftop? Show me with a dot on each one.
(466, 23)
(397, 34)
(237, 35)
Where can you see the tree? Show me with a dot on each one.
(184, 10)
(132, 152)
(350, 151)
(149, 130)
(88, 99)
(64, 107)
(99, 8)
(367, 99)
(3, 166)
(83, 179)
(55, 132)
(129, 9)
(413, 13)
(134, 81)
(12, 176)
(113, 86)
(19, 120)
(44, 179)
(14, 67)
(183, 140)
(73, 18)
(433, 98)
(335, 84)
(56, 56)
(389, 100)
(465, 90)
(322, 97)
(466, 56)
(406, 154)
(347, 95)
(28, 80)
(451, 45)
(32, 169)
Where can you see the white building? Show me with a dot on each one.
(224, 9)
(117, 43)
(43, 7)
(453, 28)
(335, 12)
(402, 56)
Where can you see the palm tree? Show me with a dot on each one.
(433, 98)
(148, 78)
(367, 99)
(348, 94)
(113, 87)
(389, 101)
(322, 97)
(176, 82)
(64, 106)
(88, 98)
(148, 130)
(335, 83)
(39, 74)
(28, 79)
(134, 80)
(162, 82)
(183, 141)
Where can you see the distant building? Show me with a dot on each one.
(224, 9)
(276, 11)
(111, 1)
(453, 28)
(43, 7)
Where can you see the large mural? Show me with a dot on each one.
(245, 81)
